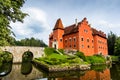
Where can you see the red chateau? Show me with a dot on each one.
(79, 36)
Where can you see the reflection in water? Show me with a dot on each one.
(97, 73)
(89, 75)
(19, 72)
(115, 72)
(5, 69)
(16, 74)
(26, 68)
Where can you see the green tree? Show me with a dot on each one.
(30, 42)
(111, 42)
(117, 47)
(9, 11)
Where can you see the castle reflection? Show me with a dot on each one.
(89, 75)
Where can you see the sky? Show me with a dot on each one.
(101, 14)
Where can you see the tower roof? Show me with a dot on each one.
(58, 24)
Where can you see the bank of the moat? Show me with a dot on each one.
(58, 60)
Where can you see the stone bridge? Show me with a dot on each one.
(18, 51)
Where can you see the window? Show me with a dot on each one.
(85, 30)
(74, 45)
(70, 46)
(92, 41)
(74, 39)
(54, 39)
(69, 39)
(66, 41)
(61, 40)
(82, 46)
(88, 46)
(99, 46)
(87, 40)
(82, 39)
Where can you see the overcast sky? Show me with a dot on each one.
(101, 14)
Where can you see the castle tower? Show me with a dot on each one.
(58, 32)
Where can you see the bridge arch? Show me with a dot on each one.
(27, 56)
(18, 51)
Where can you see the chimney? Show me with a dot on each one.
(76, 23)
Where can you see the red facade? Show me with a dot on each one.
(79, 36)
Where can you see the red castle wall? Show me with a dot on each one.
(79, 37)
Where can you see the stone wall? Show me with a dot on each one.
(18, 51)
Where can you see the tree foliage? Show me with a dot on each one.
(117, 47)
(10, 10)
(111, 43)
(30, 42)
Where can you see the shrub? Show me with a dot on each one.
(48, 51)
(75, 60)
(95, 59)
(115, 58)
(81, 55)
(6, 56)
(100, 68)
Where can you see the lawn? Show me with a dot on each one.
(54, 58)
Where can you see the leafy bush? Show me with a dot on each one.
(6, 56)
(98, 68)
(81, 55)
(115, 58)
(95, 59)
(75, 60)
(48, 51)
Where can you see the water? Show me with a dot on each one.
(26, 71)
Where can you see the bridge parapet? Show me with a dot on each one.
(18, 51)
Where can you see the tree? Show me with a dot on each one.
(30, 42)
(9, 11)
(111, 43)
(117, 47)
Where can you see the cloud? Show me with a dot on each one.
(35, 25)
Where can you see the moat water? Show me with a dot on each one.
(27, 71)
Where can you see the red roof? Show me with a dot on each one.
(70, 29)
(99, 33)
(58, 25)
(74, 28)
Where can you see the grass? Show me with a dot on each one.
(54, 58)
(48, 51)
(58, 56)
